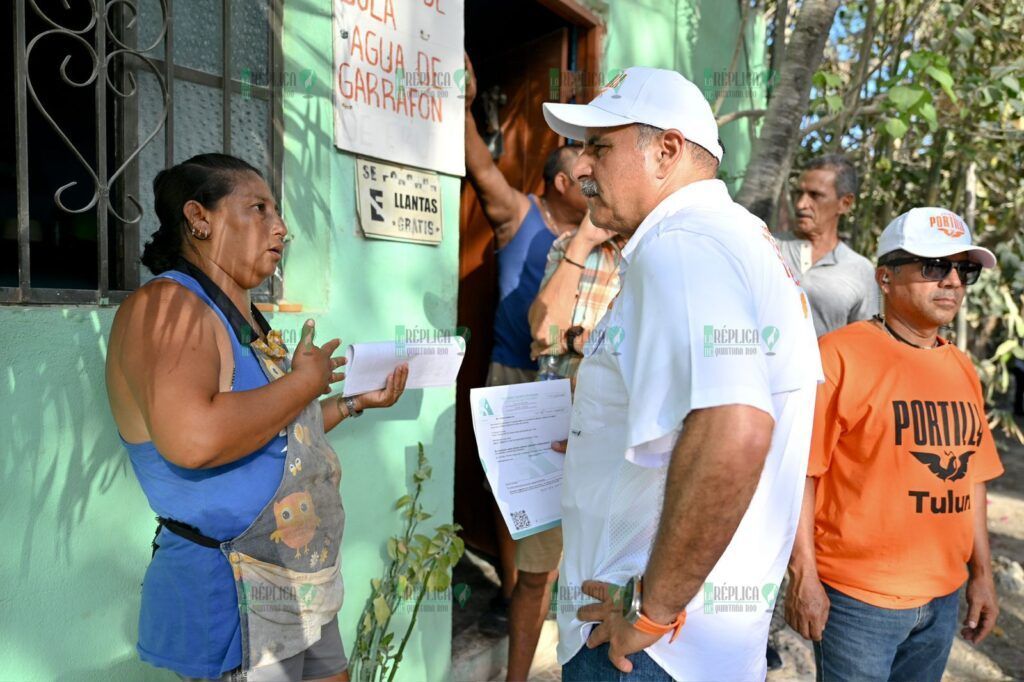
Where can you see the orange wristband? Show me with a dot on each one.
(648, 626)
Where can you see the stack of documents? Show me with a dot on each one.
(514, 427)
(431, 364)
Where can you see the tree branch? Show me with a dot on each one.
(850, 101)
(734, 115)
(773, 153)
(867, 108)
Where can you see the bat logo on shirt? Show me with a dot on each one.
(954, 469)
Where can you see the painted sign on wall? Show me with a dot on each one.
(398, 203)
(399, 77)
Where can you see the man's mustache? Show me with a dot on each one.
(588, 187)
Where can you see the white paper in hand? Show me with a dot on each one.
(515, 426)
(431, 364)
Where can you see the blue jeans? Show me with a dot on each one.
(592, 665)
(867, 643)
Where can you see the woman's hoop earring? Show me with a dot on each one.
(196, 234)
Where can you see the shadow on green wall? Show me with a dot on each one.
(63, 447)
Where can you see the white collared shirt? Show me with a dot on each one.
(708, 315)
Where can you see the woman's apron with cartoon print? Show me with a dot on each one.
(287, 563)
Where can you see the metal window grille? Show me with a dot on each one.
(110, 39)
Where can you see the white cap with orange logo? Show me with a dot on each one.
(932, 232)
(656, 97)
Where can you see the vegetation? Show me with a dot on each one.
(926, 98)
(417, 564)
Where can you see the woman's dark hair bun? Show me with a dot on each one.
(206, 178)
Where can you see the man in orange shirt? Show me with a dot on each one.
(893, 519)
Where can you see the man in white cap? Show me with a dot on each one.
(894, 514)
(690, 428)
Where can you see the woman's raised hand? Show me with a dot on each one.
(317, 363)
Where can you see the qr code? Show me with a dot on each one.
(520, 520)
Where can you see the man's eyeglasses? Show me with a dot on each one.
(937, 269)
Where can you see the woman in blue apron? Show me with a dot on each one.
(225, 431)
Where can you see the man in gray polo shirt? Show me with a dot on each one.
(839, 282)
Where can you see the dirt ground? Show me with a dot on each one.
(1001, 655)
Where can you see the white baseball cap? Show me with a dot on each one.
(932, 232)
(656, 97)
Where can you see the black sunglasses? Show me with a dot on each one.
(937, 269)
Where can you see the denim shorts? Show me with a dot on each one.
(323, 659)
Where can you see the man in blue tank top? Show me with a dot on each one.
(524, 227)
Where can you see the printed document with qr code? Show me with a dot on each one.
(515, 426)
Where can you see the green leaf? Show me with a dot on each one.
(964, 36)
(1005, 347)
(919, 60)
(392, 548)
(403, 501)
(833, 80)
(375, 584)
(944, 79)
(906, 96)
(438, 580)
(1011, 82)
(834, 102)
(896, 127)
(818, 80)
(927, 112)
(380, 610)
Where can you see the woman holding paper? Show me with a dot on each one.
(225, 433)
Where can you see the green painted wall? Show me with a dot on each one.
(78, 526)
(696, 38)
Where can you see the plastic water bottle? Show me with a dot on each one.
(547, 368)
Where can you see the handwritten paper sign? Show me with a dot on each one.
(399, 77)
(398, 203)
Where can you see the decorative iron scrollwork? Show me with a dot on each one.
(99, 76)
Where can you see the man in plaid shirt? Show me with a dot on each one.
(580, 280)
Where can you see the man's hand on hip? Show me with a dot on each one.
(612, 627)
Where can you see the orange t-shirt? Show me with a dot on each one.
(899, 441)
